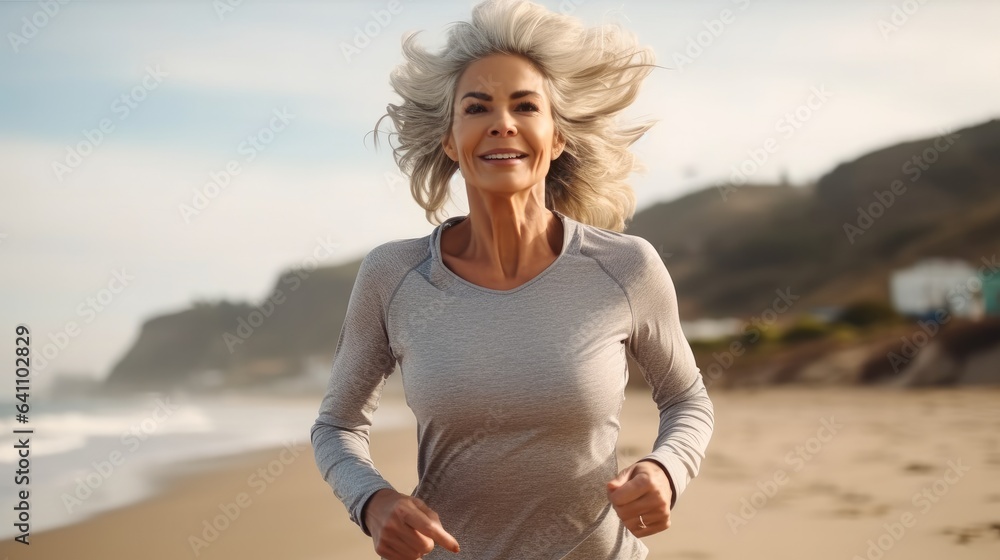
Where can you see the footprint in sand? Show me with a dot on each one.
(857, 504)
(855, 497)
(724, 467)
(966, 535)
(874, 510)
(918, 468)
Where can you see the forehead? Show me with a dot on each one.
(501, 74)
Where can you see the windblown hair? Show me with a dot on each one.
(591, 76)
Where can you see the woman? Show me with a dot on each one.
(511, 325)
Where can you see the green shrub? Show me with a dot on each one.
(806, 328)
(868, 313)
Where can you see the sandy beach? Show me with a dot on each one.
(790, 474)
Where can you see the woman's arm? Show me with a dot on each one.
(666, 362)
(362, 361)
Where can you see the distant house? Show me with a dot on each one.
(711, 329)
(991, 293)
(937, 284)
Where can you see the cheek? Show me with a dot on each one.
(548, 138)
(466, 140)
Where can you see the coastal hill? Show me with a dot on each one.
(728, 248)
(230, 344)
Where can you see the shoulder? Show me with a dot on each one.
(628, 258)
(384, 266)
(398, 253)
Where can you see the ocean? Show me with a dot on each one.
(89, 455)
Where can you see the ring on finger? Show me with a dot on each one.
(642, 524)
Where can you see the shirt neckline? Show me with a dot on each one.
(569, 229)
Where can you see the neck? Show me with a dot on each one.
(509, 234)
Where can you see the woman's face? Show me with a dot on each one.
(501, 104)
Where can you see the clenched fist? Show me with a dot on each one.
(404, 527)
(641, 495)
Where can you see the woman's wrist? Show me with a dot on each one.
(368, 509)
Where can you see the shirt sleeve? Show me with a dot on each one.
(667, 363)
(362, 362)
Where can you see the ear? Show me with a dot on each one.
(449, 147)
(558, 145)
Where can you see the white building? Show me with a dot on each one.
(932, 284)
(711, 329)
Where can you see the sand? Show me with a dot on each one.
(790, 474)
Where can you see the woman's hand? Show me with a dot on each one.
(404, 527)
(642, 489)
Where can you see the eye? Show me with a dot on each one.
(473, 108)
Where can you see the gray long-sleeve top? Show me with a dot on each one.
(516, 393)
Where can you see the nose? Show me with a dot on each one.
(504, 125)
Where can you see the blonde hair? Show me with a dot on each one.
(591, 74)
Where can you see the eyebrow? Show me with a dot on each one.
(487, 97)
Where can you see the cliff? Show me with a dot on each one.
(728, 249)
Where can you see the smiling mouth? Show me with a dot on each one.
(505, 158)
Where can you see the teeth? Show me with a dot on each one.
(502, 156)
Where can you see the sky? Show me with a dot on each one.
(159, 153)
